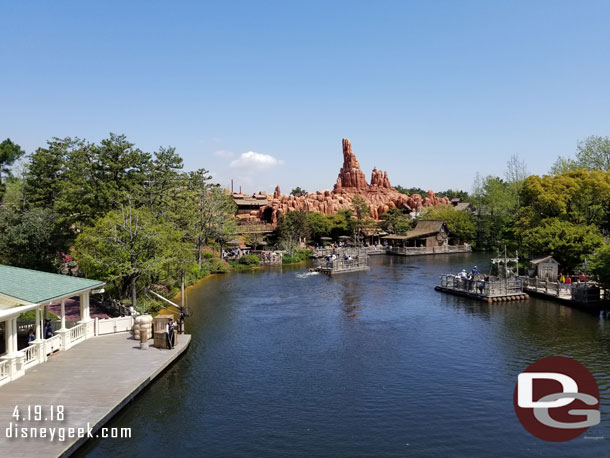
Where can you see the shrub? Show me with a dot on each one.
(146, 305)
(249, 260)
(299, 255)
(219, 266)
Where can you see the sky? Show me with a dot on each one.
(263, 92)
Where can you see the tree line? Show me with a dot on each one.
(137, 219)
(129, 217)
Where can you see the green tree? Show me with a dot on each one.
(459, 223)
(119, 171)
(205, 211)
(9, 153)
(580, 196)
(343, 223)
(298, 192)
(516, 173)
(493, 203)
(361, 211)
(410, 191)
(127, 246)
(563, 165)
(319, 225)
(163, 181)
(292, 229)
(29, 238)
(454, 193)
(45, 173)
(600, 263)
(396, 220)
(567, 242)
(592, 153)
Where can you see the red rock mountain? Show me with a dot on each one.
(379, 195)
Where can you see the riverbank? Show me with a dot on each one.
(92, 382)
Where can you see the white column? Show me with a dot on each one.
(38, 328)
(84, 306)
(63, 314)
(46, 312)
(85, 316)
(14, 334)
(8, 341)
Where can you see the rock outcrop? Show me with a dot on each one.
(350, 175)
(379, 195)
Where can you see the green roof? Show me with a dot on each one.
(36, 287)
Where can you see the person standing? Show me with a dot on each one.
(169, 333)
(48, 329)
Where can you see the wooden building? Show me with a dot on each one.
(428, 233)
(249, 205)
(545, 268)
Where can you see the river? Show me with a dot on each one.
(288, 364)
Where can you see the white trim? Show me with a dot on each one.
(15, 311)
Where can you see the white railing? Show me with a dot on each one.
(90, 329)
(77, 333)
(31, 354)
(4, 370)
(112, 325)
(53, 344)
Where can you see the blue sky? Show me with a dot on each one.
(431, 91)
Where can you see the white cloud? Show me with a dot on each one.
(255, 160)
(223, 153)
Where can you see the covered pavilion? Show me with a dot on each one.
(24, 290)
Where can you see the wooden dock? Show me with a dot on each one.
(93, 381)
(587, 296)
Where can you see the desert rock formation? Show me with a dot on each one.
(379, 195)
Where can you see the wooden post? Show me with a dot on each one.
(182, 291)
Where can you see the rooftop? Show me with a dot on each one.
(23, 286)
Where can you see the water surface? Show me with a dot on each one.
(288, 364)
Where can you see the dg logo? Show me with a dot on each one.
(557, 399)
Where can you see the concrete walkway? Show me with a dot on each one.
(92, 381)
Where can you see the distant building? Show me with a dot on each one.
(545, 268)
(459, 205)
(249, 204)
(428, 233)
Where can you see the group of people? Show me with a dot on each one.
(234, 253)
(566, 281)
(472, 275)
(330, 259)
(473, 279)
(271, 257)
(47, 332)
